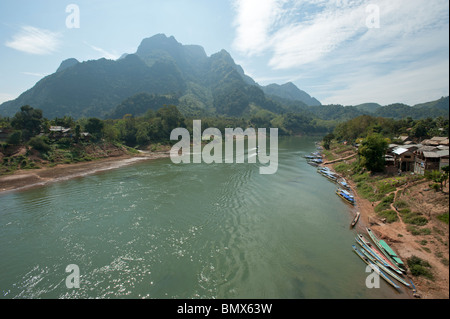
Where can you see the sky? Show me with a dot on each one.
(339, 51)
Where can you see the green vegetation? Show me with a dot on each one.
(413, 218)
(415, 231)
(419, 267)
(389, 215)
(385, 203)
(364, 125)
(439, 178)
(443, 218)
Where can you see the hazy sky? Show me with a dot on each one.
(339, 51)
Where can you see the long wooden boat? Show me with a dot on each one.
(375, 268)
(328, 174)
(384, 268)
(355, 220)
(343, 183)
(387, 251)
(313, 163)
(360, 239)
(345, 196)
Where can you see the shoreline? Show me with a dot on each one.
(400, 239)
(26, 179)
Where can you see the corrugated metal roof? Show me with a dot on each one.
(399, 150)
(437, 154)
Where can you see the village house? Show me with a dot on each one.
(429, 158)
(59, 132)
(436, 141)
(431, 154)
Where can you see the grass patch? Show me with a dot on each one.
(419, 267)
(401, 204)
(390, 215)
(385, 203)
(415, 231)
(342, 168)
(443, 218)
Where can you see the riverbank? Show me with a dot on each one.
(412, 196)
(23, 179)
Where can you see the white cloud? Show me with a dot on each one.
(254, 22)
(328, 42)
(41, 75)
(104, 53)
(410, 85)
(35, 41)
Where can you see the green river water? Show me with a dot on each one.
(155, 229)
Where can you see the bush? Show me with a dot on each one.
(401, 204)
(443, 218)
(39, 144)
(385, 203)
(15, 138)
(390, 215)
(419, 267)
(415, 231)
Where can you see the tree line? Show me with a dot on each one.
(154, 126)
(374, 134)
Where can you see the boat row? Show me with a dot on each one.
(343, 191)
(379, 256)
(315, 159)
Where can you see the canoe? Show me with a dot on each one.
(387, 251)
(384, 268)
(345, 196)
(355, 220)
(375, 268)
(376, 253)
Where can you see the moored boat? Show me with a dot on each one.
(355, 219)
(343, 183)
(346, 196)
(376, 253)
(384, 268)
(375, 268)
(387, 251)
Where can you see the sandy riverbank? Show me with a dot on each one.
(23, 179)
(406, 244)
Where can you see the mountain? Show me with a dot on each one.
(160, 66)
(92, 88)
(291, 92)
(441, 104)
(431, 109)
(367, 107)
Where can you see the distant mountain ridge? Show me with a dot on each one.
(161, 66)
(291, 92)
(164, 71)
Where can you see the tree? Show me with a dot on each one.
(77, 133)
(15, 138)
(327, 140)
(372, 151)
(438, 178)
(171, 118)
(28, 120)
(94, 126)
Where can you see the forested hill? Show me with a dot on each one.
(160, 66)
(165, 72)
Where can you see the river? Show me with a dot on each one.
(155, 229)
